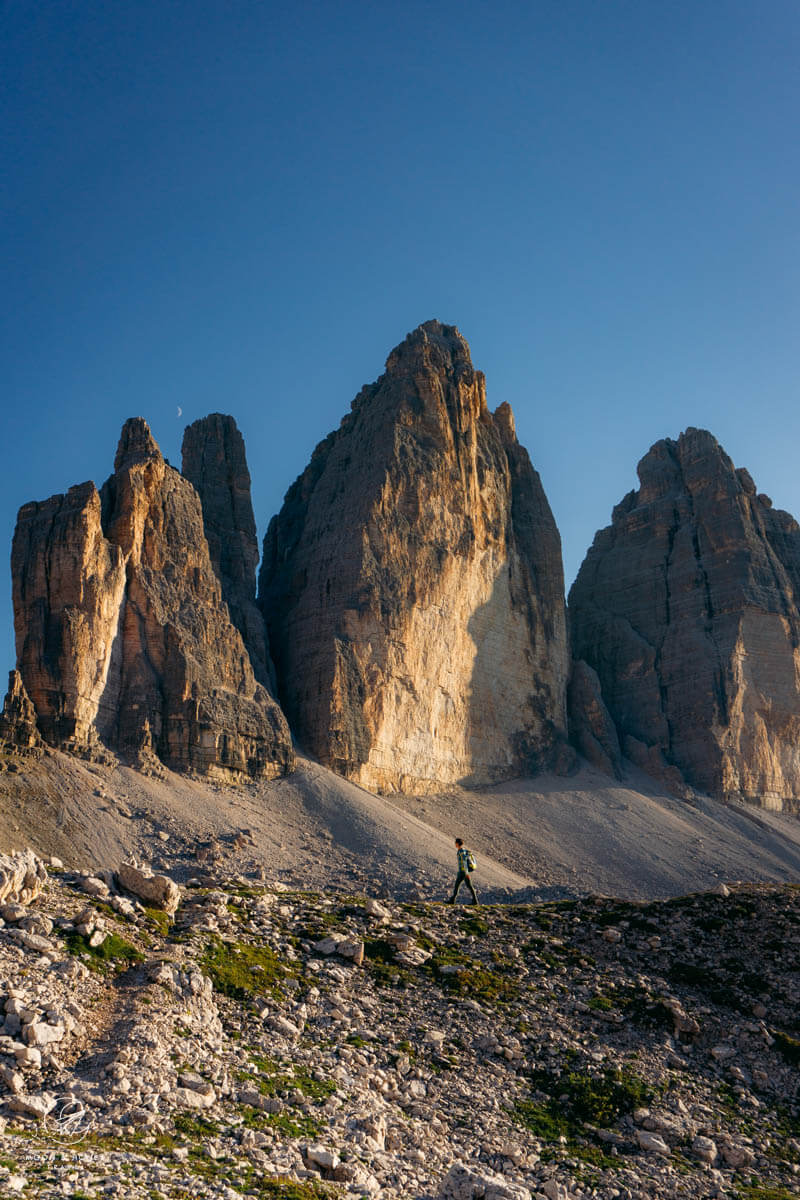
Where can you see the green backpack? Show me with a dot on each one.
(471, 864)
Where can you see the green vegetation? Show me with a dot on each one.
(474, 926)
(243, 971)
(113, 950)
(788, 1046)
(243, 1176)
(573, 1098)
(319, 923)
(380, 961)
(601, 1003)
(292, 1125)
(760, 1191)
(593, 1156)
(195, 1126)
(158, 919)
(273, 1078)
(289, 1190)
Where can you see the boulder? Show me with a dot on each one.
(479, 1183)
(22, 877)
(159, 891)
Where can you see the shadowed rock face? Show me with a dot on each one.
(591, 729)
(687, 608)
(215, 463)
(123, 637)
(413, 588)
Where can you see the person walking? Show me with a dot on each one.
(466, 863)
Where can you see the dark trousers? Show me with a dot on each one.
(463, 877)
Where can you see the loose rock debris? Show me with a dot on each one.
(267, 1042)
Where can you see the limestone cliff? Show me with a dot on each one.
(413, 588)
(18, 729)
(687, 608)
(591, 729)
(123, 638)
(215, 463)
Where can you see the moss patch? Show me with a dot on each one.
(113, 950)
(574, 1097)
(273, 1078)
(243, 971)
(788, 1046)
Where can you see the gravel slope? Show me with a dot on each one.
(541, 838)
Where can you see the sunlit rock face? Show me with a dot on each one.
(413, 587)
(687, 608)
(123, 638)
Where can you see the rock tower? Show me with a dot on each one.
(123, 637)
(687, 607)
(215, 463)
(413, 586)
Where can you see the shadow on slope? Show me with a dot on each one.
(535, 839)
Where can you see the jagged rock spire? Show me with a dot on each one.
(215, 463)
(686, 606)
(413, 588)
(123, 638)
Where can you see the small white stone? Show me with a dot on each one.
(322, 1156)
(705, 1149)
(28, 1056)
(652, 1143)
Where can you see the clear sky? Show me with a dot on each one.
(242, 206)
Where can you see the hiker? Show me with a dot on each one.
(466, 863)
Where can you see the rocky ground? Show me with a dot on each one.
(274, 1042)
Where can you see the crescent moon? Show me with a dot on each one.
(180, 411)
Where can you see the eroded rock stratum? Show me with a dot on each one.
(413, 586)
(123, 637)
(687, 608)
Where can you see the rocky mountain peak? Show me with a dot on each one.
(215, 463)
(136, 444)
(431, 343)
(413, 587)
(504, 420)
(123, 638)
(686, 606)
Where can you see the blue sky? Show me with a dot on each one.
(241, 206)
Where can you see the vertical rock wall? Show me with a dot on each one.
(687, 608)
(215, 463)
(123, 637)
(68, 589)
(413, 588)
